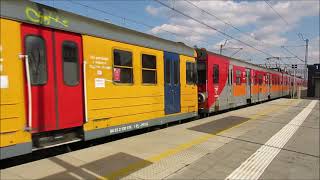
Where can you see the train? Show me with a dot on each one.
(68, 78)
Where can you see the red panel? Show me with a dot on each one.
(70, 101)
(55, 105)
(43, 96)
(214, 90)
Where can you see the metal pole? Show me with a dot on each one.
(294, 82)
(306, 60)
(221, 48)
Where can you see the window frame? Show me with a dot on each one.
(78, 64)
(46, 58)
(125, 67)
(240, 75)
(201, 71)
(149, 69)
(215, 68)
(260, 79)
(176, 76)
(193, 71)
(167, 79)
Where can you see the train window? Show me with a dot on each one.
(191, 73)
(176, 72)
(202, 72)
(215, 73)
(168, 71)
(238, 77)
(70, 63)
(36, 51)
(122, 67)
(260, 79)
(149, 69)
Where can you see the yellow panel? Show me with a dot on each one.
(116, 104)
(8, 125)
(189, 92)
(12, 101)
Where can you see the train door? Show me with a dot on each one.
(260, 79)
(231, 79)
(51, 69)
(172, 83)
(282, 84)
(268, 82)
(68, 59)
(248, 84)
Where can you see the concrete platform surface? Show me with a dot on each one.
(275, 140)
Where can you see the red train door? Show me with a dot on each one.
(56, 82)
(68, 49)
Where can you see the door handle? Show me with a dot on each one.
(27, 70)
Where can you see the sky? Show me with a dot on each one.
(250, 30)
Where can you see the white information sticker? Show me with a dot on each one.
(99, 82)
(4, 82)
(99, 72)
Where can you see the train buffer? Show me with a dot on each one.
(278, 139)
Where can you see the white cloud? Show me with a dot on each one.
(254, 17)
(152, 10)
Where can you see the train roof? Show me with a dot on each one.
(35, 13)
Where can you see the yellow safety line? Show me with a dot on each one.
(187, 145)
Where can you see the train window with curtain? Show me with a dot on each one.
(149, 69)
(122, 67)
(215, 73)
(238, 77)
(191, 73)
(70, 63)
(36, 51)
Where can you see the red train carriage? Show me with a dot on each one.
(225, 82)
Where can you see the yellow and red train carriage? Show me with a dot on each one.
(67, 78)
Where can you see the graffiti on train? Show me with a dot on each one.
(36, 16)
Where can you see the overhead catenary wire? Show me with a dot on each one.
(283, 19)
(219, 19)
(286, 22)
(219, 31)
(230, 24)
(132, 20)
(292, 53)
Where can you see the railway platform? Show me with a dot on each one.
(278, 139)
